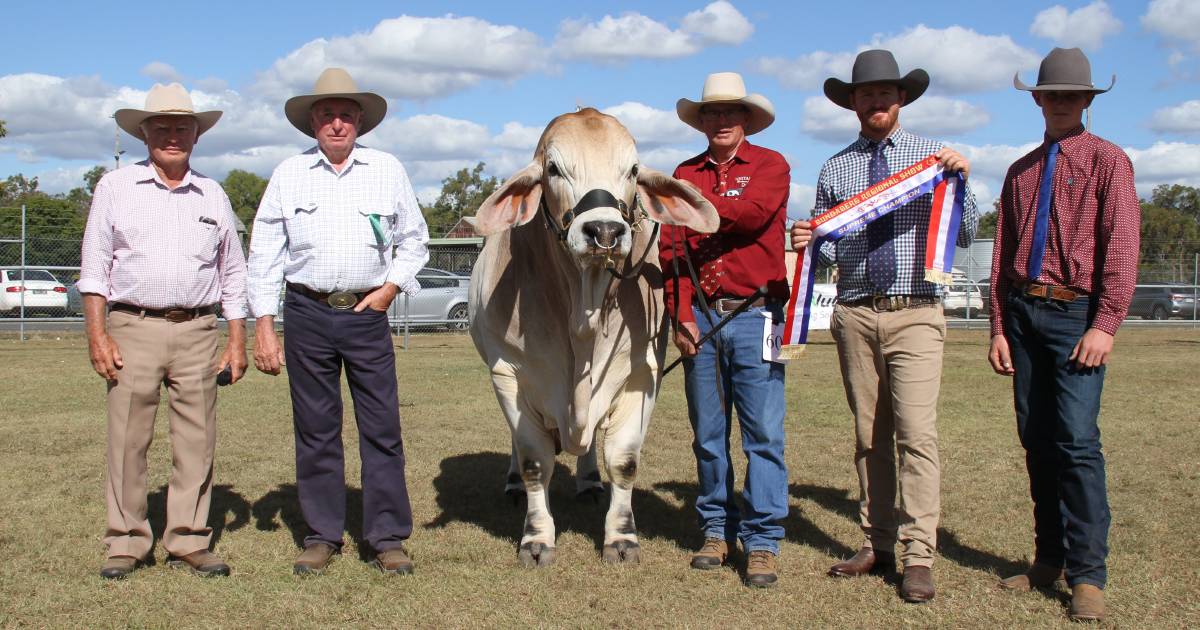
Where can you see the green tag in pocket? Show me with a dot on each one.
(378, 227)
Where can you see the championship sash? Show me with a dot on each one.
(856, 212)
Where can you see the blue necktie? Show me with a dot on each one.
(881, 251)
(1042, 224)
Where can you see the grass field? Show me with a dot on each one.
(52, 508)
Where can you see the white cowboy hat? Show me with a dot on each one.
(728, 87)
(164, 100)
(335, 83)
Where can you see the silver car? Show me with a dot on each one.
(441, 302)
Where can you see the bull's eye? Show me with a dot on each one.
(552, 168)
(633, 171)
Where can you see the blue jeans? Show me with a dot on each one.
(755, 388)
(1057, 408)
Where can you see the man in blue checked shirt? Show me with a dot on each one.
(888, 324)
(340, 225)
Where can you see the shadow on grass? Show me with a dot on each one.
(284, 501)
(228, 511)
(470, 489)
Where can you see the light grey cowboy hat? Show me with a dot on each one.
(335, 83)
(728, 87)
(164, 100)
(1064, 70)
(876, 66)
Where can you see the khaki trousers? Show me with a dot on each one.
(183, 357)
(892, 370)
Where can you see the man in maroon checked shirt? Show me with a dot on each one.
(1063, 271)
(748, 185)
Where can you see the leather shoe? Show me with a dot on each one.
(866, 562)
(711, 555)
(202, 562)
(1087, 603)
(761, 569)
(394, 561)
(1036, 576)
(917, 586)
(118, 567)
(314, 559)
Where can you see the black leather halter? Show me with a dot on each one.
(600, 198)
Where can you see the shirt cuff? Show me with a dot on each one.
(232, 311)
(411, 287)
(1107, 323)
(87, 285)
(262, 308)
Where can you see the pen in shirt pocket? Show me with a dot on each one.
(208, 220)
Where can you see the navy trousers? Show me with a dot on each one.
(1057, 409)
(318, 341)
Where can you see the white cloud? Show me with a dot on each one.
(651, 127)
(411, 57)
(1165, 163)
(635, 36)
(162, 72)
(1181, 118)
(801, 198)
(61, 180)
(665, 159)
(431, 137)
(979, 62)
(718, 23)
(1085, 27)
(1174, 19)
(933, 116)
(518, 136)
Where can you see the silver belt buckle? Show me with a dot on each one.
(342, 300)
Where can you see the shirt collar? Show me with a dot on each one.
(745, 155)
(356, 157)
(896, 138)
(1066, 141)
(149, 174)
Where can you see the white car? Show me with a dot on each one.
(958, 298)
(42, 292)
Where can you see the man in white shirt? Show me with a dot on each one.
(341, 226)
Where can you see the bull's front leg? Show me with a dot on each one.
(587, 477)
(622, 456)
(535, 456)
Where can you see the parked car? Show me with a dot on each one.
(441, 302)
(1155, 301)
(961, 296)
(42, 292)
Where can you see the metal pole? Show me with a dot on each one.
(22, 324)
(406, 321)
(1195, 287)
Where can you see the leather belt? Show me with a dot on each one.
(890, 303)
(340, 300)
(724, 306)
(174, 315)
(1048, 291)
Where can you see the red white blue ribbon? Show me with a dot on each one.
(856, 212)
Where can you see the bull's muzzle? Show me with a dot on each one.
(604, 234)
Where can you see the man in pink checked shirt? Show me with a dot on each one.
(159, 253)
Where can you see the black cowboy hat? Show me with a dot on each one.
(877, 66)
(1064, 70)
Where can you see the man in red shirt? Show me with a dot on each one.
(748, 185)
(1063, 271)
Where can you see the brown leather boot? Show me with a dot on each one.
(202, 562)
(1036, 576)
(866, 561)
(761, 570)
(917, 586)
(314, 559)
(394, 561)
(118, 567)
(1087, 603)
(711, 555)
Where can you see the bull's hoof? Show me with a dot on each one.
(535, 555)
(595, 493)
(622, 552)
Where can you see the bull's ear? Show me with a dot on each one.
(676, 202)
(513, 203)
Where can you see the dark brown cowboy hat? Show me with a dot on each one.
(1064, 70)
(335, 83)
(877, 66)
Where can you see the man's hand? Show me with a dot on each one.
(685, 338)
(106, 357)
(801, 234)
(379, 299)
(1092, 350)
(999, 356)
(235, 350)
(268, 354)
(953, 161)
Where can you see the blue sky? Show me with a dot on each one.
(471, 81)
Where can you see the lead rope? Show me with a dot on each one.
(677, 244)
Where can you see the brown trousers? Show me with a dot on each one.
(182, 356)
(892, 370)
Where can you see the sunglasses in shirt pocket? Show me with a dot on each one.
(204, 240)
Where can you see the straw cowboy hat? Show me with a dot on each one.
(335, 83)
(877, 66)
(1064, 70)
(728, 87)
(164, 100)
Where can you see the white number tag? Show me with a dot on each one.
(772, 338)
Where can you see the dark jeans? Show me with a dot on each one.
(1057, 407)
(318, 341)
